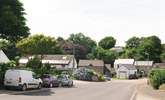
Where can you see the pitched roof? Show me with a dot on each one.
(143, 63)
(91, 62)
(52, 59)
(129, 67)
(3, 57)
(159, 65)
(124, 61)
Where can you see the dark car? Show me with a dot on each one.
(50, 81)
(65, 80)
(133, 76)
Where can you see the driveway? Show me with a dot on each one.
(113, 90)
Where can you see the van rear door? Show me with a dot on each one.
(12, 78)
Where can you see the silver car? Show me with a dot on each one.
(65, 80)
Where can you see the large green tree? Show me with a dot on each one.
(39, 44)
(107, 42)
(12, 20)
(81, 45)
(133, 42)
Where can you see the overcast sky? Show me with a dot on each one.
(121, 19)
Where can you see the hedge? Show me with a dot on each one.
(157, 77)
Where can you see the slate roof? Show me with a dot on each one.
(124, 61)
(90, 62)
(144, 63)
(52, 59)
(129, 67)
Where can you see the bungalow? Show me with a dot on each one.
(125, 70)
(143, 67)
(59, 62)
(96, 65)
(3, 57)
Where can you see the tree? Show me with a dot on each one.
(133, 42)
(107, 56)
(162, 57)
(81, 45)
(4, 44)
(13, 26)
(82, 40)
(107, 42)
(39, 44)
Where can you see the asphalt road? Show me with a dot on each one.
(113, 90)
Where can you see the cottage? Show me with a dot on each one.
(97, 65)
(159, 65)
(59, 62)
(125, 70)
(122, 62)
(3, 57)
(143, 67)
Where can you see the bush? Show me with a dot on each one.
(87, 75)
(157, 78)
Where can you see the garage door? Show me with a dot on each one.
(122, 74)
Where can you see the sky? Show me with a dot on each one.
(97, 19)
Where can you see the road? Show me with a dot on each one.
(113, 90)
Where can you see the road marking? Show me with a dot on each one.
(134, 94)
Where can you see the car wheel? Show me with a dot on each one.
(39, 86)
(24, 87)
(71, 84)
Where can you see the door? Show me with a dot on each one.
(122, 74)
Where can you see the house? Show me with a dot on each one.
(58, 62)
(96, 65)
(122, 62)
(125, 70)
(159, 65)
(3, 57)
(144, 67)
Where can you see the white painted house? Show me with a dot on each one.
(124, 67)
(125, 70)
(59, 62)
(3, 57)
(123, 62)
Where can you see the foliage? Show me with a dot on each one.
(133, 42)
(107, 56)
(4, 67)
(4, 44)
(162, 57)
(157, 77)
(148, 48)
(13, 26)
(107, 42)
(82, 40)
(39, 44)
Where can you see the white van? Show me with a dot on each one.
(21, 79)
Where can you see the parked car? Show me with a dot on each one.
(133, 76)
(65, 80)
(22, 79)
(107, 78)
(49, 81)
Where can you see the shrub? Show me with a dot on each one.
(87, 75)
(157, 77)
